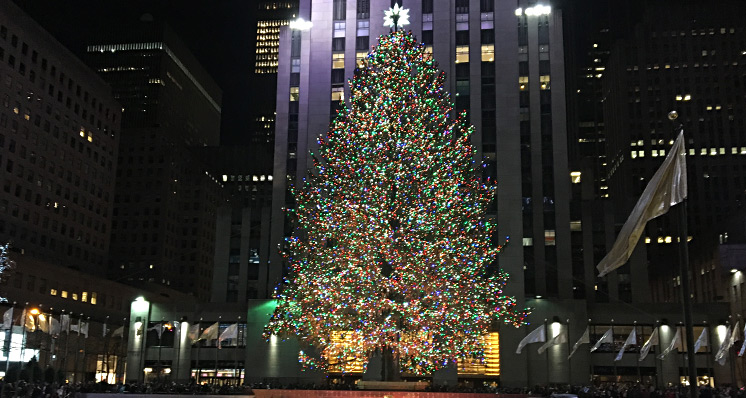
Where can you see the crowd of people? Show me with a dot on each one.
(23, 389)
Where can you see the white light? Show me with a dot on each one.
(518, 12)
(556, 326)
(538, 10)
(396, 11)
(300, 24)
(733, 271)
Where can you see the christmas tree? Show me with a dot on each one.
(392, 249)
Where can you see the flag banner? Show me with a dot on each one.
(65, 321)
(539, 335)
(8, 318)
(584, 339)
(666, 188)
(743, 346)
(231, 332)
(558, 339)
(54, 326)
(28, 322)
(84, 329)
(158, 327)
(193, 332)
(608, 337)
(43, 323)
(722, 353)
(675, 343)
(631, 339)
(118, 332)
(701, 341)
(211, 333)
(652, 340)
(734, 334)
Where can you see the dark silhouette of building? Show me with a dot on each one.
(59, 136)
(163, 229)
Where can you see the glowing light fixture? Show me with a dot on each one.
(300, 24)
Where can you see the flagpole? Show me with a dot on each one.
(235, 356)
(684, 275)
(177, 347)
(215, 379)
(569, 362)
(160, 346)
(613, 348)
(199, 370)
(710, 364)
(590, 357)
(639, 375)
(546, 352)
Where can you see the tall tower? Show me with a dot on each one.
(512, 88)
(165, 204)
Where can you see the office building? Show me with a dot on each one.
(59, 138)
(165, 205)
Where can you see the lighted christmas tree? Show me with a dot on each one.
(392, 247)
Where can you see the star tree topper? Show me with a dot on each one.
(396, 16)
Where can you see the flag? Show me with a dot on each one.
(701, 341)
(76, 328)
(8, 318)
(211, 333)
(652, 340)
(556, 340)
(65, 323)
(43, 323)
(231, 332)
(631, 339)
(743, 346)
(193, 332)
(118, 332)
(158, 327)
(584, 339)
(28, 321)
(608, 337)
(105, 330)
(539, 335)
(54, 326)
(84, 329)
(724, 347)
(675, 343)
(665, 189)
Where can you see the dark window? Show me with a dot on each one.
(340, 10)
(338, 44)
(363, 9)
(487, 5)
(361, 43)
(427, 37)
(462, 6)
(487, 36)
(427, 6)
(338, 76)
(462, 37)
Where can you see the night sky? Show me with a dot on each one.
(220, 33)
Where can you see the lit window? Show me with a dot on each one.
(360, 57)
(427, 21)
(462, 21)
(713, 151)
(64, 294)
(84, 297)
(338, 61)
(363, 28)
(428, 49)
(641, 154)
(549, 236)
(294, 94)
(52, 292)
(576, 226)
(488, 53)
(523, 79)
(544, 80)
(647, 239)
(703, 151)
(93, 298)
(339, 29)
(338, 93)
(633, 154)
(75, 296)
(575, 177)
(528, 241)
(462, 54)
(295, 65)
(488, 20)
(722, 151)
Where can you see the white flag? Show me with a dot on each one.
(556, 340)
(8, 318)
(231, 332)
(743, 346)
(701, 341)
(724, 347)
(193, 332)
(118, 332)
(539, 335)
(652, 340)
(584, 339)
(631, 339)
(158, 327)
(84, 329)
(54, 326)
(43, 323)
(608, 337)
(211, 333)
(675, 343)
(665, 189)
(65, 323)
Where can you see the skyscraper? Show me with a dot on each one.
(164, 215)
(59, 136)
